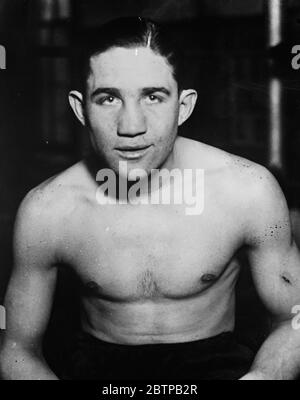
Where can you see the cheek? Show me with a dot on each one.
(102, 122)
(163, 119)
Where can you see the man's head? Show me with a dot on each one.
(132, 94)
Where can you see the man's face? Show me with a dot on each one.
(132, 107)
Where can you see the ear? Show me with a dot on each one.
(187, 102)
(76, 103)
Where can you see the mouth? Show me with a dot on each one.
(132, 152)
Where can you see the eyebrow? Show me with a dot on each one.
(106, 90)
(153, 89)
(116, 92)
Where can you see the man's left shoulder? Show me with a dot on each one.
(240, 181)
(254, 182)
(259, 199)
(199, 155)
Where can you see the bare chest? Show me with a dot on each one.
(149, 253)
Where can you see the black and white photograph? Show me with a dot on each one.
(150, 192)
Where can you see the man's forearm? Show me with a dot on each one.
(21, 364)
(279, 356)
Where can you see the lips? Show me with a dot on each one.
(132, 152)
(132, 148)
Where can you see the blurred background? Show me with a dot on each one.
(238, 57)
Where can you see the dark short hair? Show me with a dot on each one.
(129, 32)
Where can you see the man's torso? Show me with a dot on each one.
(151, 273)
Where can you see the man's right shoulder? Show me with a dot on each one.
(57, 196)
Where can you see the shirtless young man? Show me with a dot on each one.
(159, 284)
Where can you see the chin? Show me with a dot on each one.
(127, 168)
(123, 167)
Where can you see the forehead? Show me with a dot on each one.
(134, 67)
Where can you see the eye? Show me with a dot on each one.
(152, 98)
(108, 100)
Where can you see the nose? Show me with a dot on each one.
(132, 121)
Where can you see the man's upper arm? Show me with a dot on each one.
(274, 257)
(29, 296)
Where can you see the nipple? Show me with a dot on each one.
(92, 289)
(206, 278)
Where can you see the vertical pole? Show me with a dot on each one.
(275, 123)
(2, 57)
(2, 318)
(274, 16)
(275, 23)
